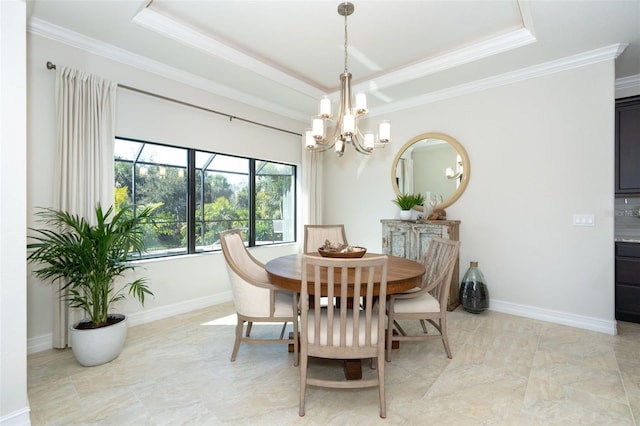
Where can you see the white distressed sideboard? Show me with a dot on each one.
(410, 240)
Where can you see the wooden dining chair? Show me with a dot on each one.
(316, 235)
(342, 332)
(254, 298)
(427, 303)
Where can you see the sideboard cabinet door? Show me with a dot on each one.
(411, 240)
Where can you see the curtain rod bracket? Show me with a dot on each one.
(51, 65)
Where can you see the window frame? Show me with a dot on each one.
(192, 221)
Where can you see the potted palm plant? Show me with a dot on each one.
(406, 202)
(87, 259)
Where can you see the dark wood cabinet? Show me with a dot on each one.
(628, 282)
(628, 145)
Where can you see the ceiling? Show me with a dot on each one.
(285, 55)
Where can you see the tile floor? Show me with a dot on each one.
(506, 370)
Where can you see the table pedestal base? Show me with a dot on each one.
(352, 367)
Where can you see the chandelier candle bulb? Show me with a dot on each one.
(361, 103)
(369, 140)
(325, 107)
(348, 124)
(384, 131)
(317, 130)
(309, 141)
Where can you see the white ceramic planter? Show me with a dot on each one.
(405, 214)
(100, 345)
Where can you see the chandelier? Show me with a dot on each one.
(345, 127)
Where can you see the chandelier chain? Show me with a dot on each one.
(346, 39)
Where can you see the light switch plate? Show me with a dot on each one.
(584, 220)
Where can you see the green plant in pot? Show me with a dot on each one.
(87, 259)
(406, 202)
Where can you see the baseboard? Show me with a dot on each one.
(149, 315)
(44, 342)
(557, 317)
(39, 344)
(18, 418)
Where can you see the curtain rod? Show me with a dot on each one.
(52, 66)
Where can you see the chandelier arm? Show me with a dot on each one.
(335, 132)
(325, 147)
(355, 139)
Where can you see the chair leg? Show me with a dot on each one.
(303, 382)
(284, 328)
(389, 341)
(424, 327)
(445, 340)
(381, 388)
(236, 345)
(399, 328)
(249, 324)
(296, 337)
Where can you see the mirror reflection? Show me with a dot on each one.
(434, 165)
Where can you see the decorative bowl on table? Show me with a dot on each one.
(343, 251)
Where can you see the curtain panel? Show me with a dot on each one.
(312, 187)
(85, 122)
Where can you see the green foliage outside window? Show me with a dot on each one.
(222, 198)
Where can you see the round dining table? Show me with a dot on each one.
(286, 272)
(402, 274)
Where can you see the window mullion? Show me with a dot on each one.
(191, 201)
(252, 202)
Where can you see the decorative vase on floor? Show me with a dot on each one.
(474, 295)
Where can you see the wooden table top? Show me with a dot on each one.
(286, 272)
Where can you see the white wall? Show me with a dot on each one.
(183, 283)
(540, 151)
(14, 408)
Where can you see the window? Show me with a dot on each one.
(197, 194)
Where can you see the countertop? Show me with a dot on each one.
(627, 240)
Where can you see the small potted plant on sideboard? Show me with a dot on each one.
(406, 202)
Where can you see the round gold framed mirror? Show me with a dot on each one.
(432, 163)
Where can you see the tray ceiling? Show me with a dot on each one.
(284, 55)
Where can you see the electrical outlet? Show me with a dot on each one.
(584, 220)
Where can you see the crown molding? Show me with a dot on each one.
(71, 38)
(62, 35)
(630, 82)
(477, 51)
(168, 27)
(575, 61)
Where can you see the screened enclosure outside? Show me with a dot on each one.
(197, 194)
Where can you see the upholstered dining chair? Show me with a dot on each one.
(427, 302)
(316, 235)
(254, 298)
(342, 332)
